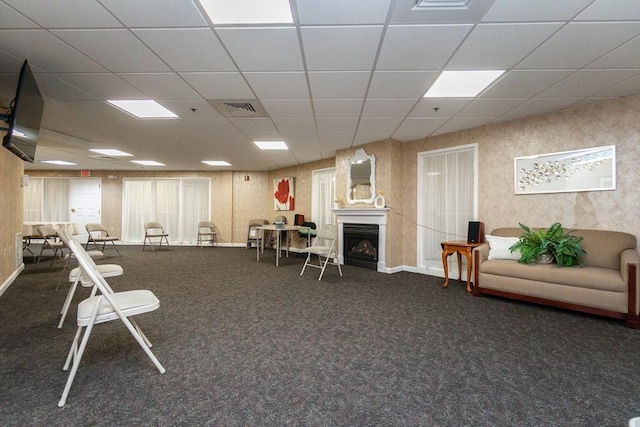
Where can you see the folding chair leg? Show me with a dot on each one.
(67, 301)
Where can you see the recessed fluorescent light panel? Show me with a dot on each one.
(248, 11)
(143, 108)
(147, 162)
(462, 84)
(216, 163)
(111, 152)
(271, 145)
(59, 162)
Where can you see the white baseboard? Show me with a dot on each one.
(11, 279)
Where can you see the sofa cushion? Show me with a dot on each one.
(499, 247)
(582, 277)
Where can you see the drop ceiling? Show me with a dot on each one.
(346, 73)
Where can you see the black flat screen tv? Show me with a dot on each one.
(24, 117)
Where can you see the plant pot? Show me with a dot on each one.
(545, 258)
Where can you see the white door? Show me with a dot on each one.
(85, 203)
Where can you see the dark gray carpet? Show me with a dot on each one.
(248, 344)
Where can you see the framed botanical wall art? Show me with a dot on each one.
(589, 169)
(283, 194)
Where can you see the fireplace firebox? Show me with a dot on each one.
(361, 245)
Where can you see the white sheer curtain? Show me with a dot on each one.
(33, 199)
(178, 204)
(46, 199)
(323, 193)
(196, 202)
(447, 201)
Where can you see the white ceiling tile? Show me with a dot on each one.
(94, 109)
(214, 126)
(272, 49)
(342, 12)
(401, 84)
(365, 137)
(383, 126)
(38, 46)
(625, 56)
(611, 10)
(337, 107)
(161, 85)
(387, 107)
(156, 13)
(116, 50)
(585, 83)
(185, 109)
(254, 125)
(626, 88)
(417, 128)
(577, 44)
(455, 125)
(403, 13)
(439, 107)
(219, 85)
(295, 125)
(538, 10)
(499, 46)
(326, 48)
(53, 87)
(489, 107)
(187, 49)
(525, 83)
(66, 14)
(9, 18)
(103, 85)
(420, 47)
(288, 108)
(307, 139)
(284, 85)
(537, 106)
(10, 64)
(337, 124)
(338, 85)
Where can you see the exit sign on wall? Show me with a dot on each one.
(85, 173)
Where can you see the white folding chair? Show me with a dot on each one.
(324, 247)
(99, 234)
(103, 308)
(154, 230)
(51, 242)
(207, 233)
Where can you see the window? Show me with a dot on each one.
(178, 204)
(447, 201)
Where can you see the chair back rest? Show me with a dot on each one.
(311, 225)
(88, 267)
(327, 232)
(92, 228)
(153, 226)
(47, 231)
(206, 224)
(280, 218)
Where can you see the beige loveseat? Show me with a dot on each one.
(606, 285)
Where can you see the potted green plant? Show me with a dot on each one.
(552, 244)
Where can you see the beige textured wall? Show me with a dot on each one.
(615, 122)
(10, 211)
(236, 201)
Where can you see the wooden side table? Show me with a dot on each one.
(460, 247)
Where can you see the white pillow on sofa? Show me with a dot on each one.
(499, 247)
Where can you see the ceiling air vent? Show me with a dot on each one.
(238, 108)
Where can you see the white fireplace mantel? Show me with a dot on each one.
(364, 216)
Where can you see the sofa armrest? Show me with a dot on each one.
(630, 265)
(483, 253)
